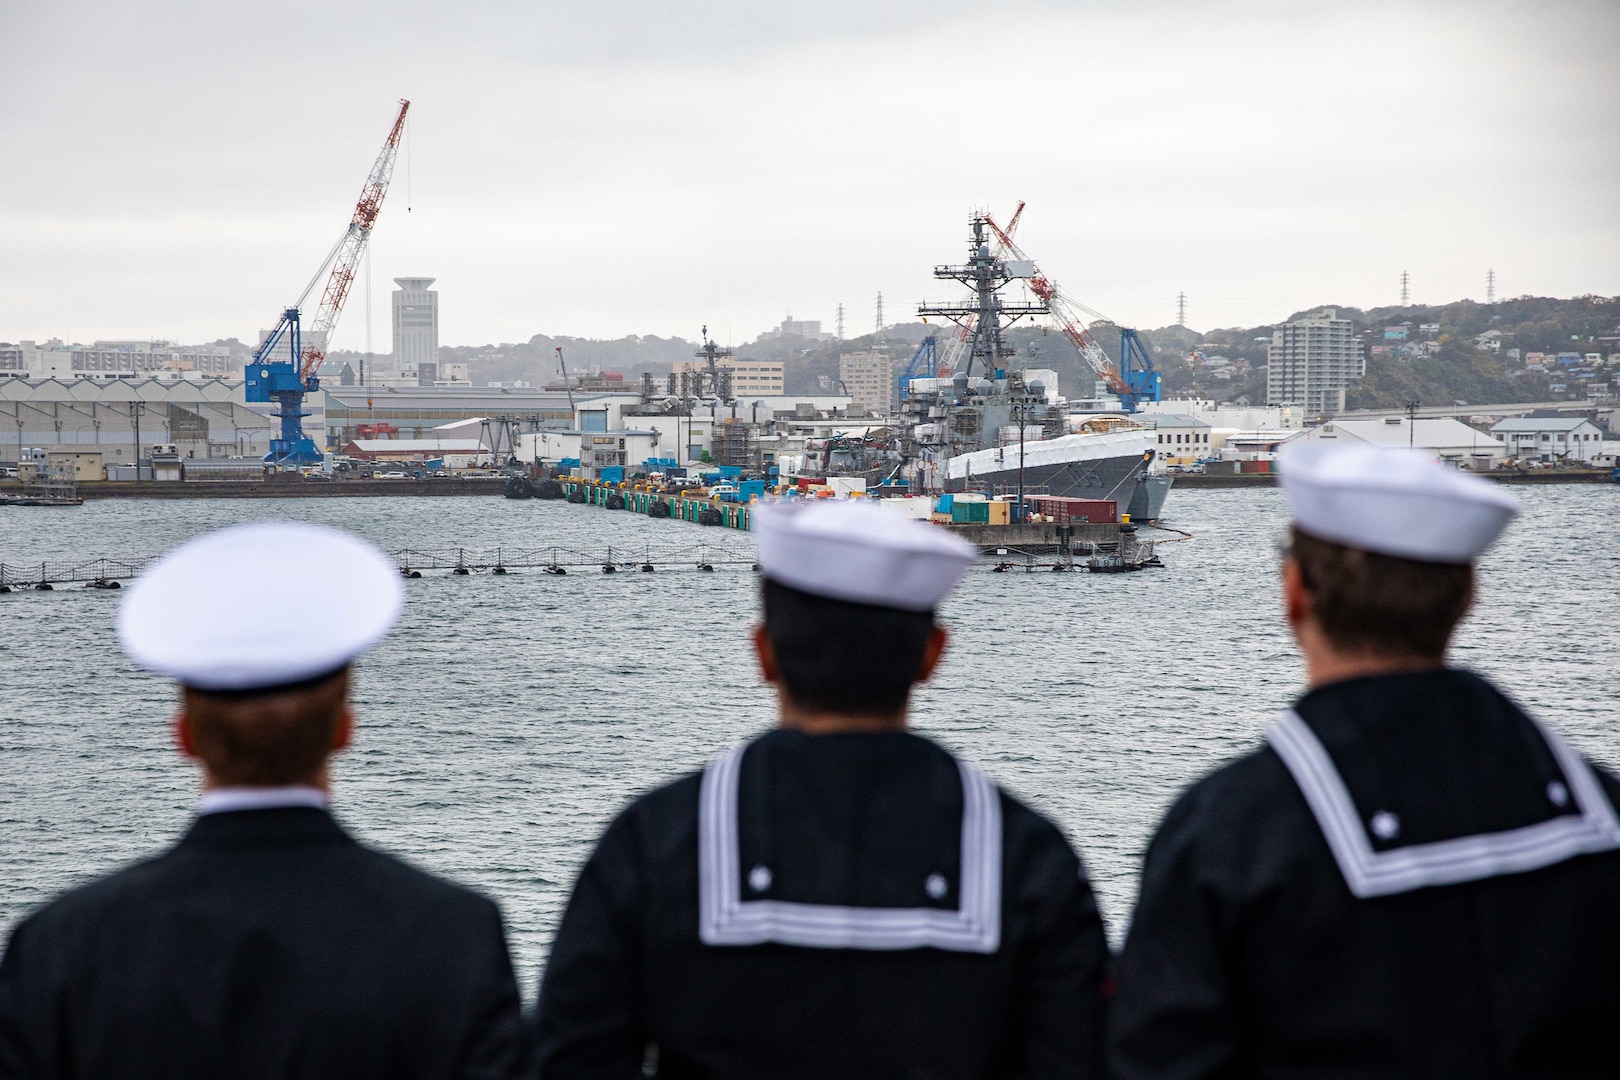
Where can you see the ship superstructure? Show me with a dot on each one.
(985, 426)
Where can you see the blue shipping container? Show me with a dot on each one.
(611, 474)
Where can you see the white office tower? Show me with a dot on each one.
(1310, 362)
(416, 329)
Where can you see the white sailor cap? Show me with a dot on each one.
(857, 551)
(260, 605)
(1392, 501)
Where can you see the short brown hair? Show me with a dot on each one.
(267, 738)
(1366, 602)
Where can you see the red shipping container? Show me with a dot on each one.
(1064, 510)
(1254, 466)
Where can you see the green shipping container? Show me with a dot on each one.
(973, 513)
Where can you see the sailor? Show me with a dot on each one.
(266, 942)
(838, 897)
(1414, 877)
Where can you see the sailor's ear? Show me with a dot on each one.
(343, 734)
(932, 652)
(1297, 606)
(766, 653)
(182, 734)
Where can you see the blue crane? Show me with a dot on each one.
(285, 382)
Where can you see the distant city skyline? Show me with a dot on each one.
(619, 168)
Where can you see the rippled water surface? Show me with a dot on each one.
(510, 717)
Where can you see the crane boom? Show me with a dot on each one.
(1139, 381)
(353, 245)
(286, 382)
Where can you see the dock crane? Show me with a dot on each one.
(285, 382)
(1134, 379)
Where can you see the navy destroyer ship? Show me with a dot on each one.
(1001, 432)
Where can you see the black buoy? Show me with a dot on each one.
(706, 567)
(4, 589)
(44, 586)
(1001, 568)
(647, 568)
(609, 568)
(499, 570)
(413, 573)
(756, 568)
(461, 571)
(557, 570)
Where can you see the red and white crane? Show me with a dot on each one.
(286, 382)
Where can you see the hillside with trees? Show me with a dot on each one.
(1226, 364)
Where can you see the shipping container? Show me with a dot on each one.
(1000, 513)
(1064, 510)
(970, 513)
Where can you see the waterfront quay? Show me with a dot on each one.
(277, 486)
(1035, 538)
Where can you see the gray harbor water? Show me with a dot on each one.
(510, 717)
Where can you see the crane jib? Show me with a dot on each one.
(286, 381)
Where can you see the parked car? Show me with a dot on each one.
(396, 475)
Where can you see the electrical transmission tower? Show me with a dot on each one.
(1406, 292)
(1181, 309)
(840, 322)
(880, 313)
(1490, 286)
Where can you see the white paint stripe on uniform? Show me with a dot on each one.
(726, 919)
(1442, 862)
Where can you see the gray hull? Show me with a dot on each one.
(1114, 478)
(1148, 502)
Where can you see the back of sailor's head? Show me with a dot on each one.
(1385, 541)
(259, 625)
(850, 589)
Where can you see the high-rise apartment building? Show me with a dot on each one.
(416, 327)
(1312, 360)
(868, 378)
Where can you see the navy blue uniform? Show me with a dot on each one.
(267, 943)
(850, 905)
(1412, 879)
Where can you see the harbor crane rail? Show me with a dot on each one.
(285, 382)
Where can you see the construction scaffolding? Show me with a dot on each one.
(736, 442)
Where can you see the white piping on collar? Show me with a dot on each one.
(724, 918)
(1442, 862)
(227, 799)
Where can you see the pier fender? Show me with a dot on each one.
(548, 489)
(615, 501)
(659, 509)
(517, 487)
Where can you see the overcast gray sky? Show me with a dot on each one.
(178, 168)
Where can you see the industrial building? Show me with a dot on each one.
(1312, 360)
(207, 419)
(1445, 437)
(411, 412)
(1550, 438)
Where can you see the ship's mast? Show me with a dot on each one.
(984, 314)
